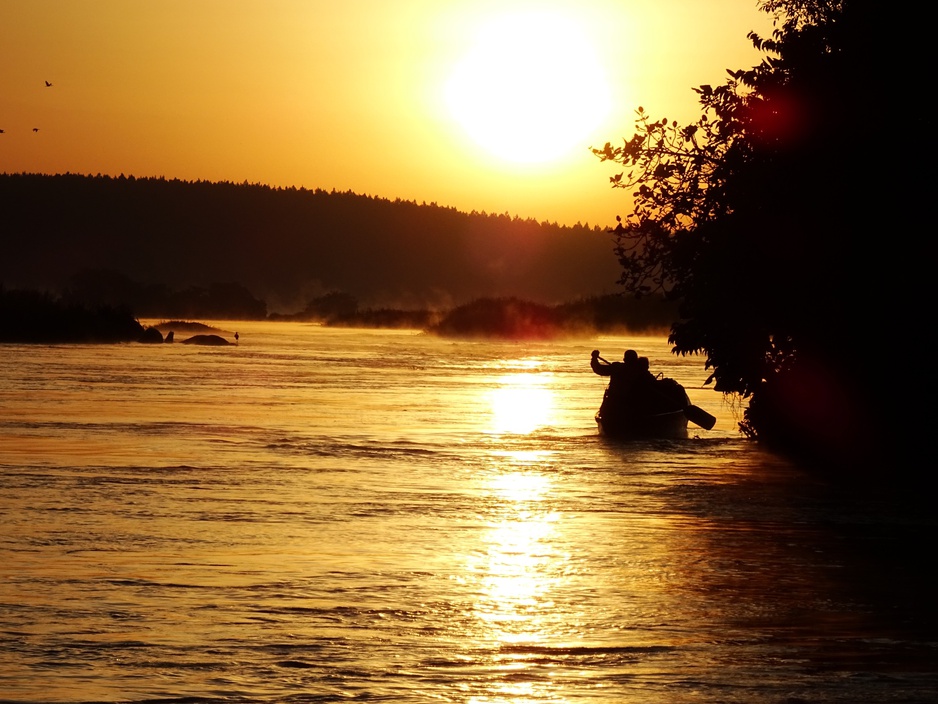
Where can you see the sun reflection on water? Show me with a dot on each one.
(517, 563)
(521, 403)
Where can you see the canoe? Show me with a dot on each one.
(672, 424)
(655, 411)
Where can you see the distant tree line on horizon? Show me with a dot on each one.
(288, 245)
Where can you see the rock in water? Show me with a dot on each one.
(151, 335)
(212, 340)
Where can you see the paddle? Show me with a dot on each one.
(695, 414)
(698, 416)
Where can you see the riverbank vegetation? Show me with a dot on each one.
(760, 220)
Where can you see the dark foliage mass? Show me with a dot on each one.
(220, 301)
(284, 246)
(766, 219)
(172, 249)
(34, 317)
(500, 317)
(517, 319)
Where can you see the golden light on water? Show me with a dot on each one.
(521, 403)
(421, 555)
(516, 587)
(520, 486)
(515, 580)
(516, 561)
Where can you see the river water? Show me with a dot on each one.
(320, 515)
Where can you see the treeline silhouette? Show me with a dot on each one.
(285, 246)
(156, 249)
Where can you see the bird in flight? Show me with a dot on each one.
(48, 85)
(35, 129)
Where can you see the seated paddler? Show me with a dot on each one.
(622, 378)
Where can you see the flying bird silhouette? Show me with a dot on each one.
(48, 85)
(35, 129)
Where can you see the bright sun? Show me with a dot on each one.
(531, 88)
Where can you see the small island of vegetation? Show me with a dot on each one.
(513, 318)
(37, 317)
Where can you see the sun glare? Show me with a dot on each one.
(530, 89)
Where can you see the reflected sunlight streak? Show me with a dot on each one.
(521, 486)
(521, 404)
(518, 563)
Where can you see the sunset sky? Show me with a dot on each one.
(487, 105)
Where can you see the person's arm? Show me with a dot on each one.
(603, 369)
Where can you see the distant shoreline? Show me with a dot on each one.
(36, 317)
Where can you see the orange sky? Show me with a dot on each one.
(415, 99)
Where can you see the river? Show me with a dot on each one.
(318, 515)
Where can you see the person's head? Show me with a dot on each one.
(643, 363)
(630, 357)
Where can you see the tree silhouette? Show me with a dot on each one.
(285, 245)
(757, 218)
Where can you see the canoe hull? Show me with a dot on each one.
(649, 411)
(661, 425)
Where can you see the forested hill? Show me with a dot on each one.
(288, 245)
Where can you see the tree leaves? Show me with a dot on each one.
(745, 215)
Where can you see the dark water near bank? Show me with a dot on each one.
(328, 515)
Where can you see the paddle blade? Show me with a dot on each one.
(698, 416)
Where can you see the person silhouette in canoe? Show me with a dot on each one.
(633, 391)
(621, 374)
(625, 380)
